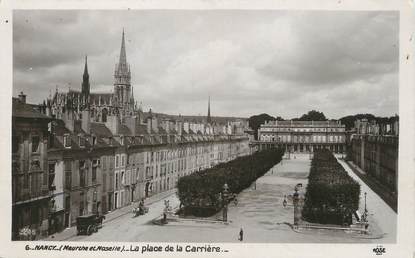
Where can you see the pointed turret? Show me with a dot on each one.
(85, 80)
(132, 98)
(86, 75)
(140, 107)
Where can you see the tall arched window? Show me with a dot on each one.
(104, 115)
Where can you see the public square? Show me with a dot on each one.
(259, 212)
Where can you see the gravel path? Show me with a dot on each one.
(259, 212)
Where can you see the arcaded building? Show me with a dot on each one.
(302, 136)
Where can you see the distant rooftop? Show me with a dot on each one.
(23, 110)
(291, 123)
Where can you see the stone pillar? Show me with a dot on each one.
(378, 151)
(362, 153)
(297, 213)
(225, 195)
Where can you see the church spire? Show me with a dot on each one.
(86, 75)
(209, 120)
(122, 77)
(123, 56)
(85, 80)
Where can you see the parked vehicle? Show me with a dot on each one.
(140, 211)
(87, 224)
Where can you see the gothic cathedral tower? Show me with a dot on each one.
(122, 79)
(85, 83)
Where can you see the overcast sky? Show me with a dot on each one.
(277, 62)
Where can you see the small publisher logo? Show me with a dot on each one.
(379, 250)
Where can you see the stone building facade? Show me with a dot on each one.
(30, 177)
(302, 136)
(374, 148)
(100, 152)
(109, 166)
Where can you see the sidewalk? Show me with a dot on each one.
(355, 167)
(68, 233)
(383, 192)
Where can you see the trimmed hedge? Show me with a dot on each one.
(200, 192)
(331, 195)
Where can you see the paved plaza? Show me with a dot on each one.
(259, 212)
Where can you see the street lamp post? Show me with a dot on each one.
(94, 198)
(225, 195)
(295, 202)
(365, 202)
(296, 199)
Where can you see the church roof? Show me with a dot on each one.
(100, 130)
(142, 129)
(105, 97)
(59, 128)
(124, 130)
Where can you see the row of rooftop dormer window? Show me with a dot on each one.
(81, 140)
(122, 160)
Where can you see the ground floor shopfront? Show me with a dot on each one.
(300, 147)
(31, 215)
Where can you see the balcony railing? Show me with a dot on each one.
(26, 194)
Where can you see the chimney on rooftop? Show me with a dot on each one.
(22, 97)
(149, 120)
(179, 127)
(132, 123)
(186, 127)
(86, 121)
(69, 120)
(154, 124)
(113, 123)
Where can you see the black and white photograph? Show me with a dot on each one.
(214, 126)
(206, 127)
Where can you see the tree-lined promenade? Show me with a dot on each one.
(201, 193)
(259, 212)
(332, 195)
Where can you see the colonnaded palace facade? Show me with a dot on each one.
(372, 147)
(303, 136)
(81, 152)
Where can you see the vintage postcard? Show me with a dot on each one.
(208, 129)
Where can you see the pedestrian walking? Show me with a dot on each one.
(235, 200)
(241, 235)
(164, 217)
(284, 203)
